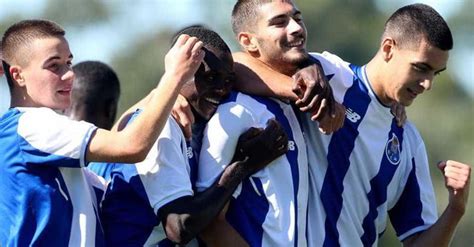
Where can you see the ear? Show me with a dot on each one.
(17, 75)
(387, 47)
(248, 42)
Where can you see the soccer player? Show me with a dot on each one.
(269, 208)
(371, 170)
(45, 198)
(152, 202)
(94, 98)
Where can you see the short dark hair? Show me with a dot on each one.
(412, 23)
(96, 88)
(211, 39)
(245, 15)
(23, 33)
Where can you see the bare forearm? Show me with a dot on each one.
(133, 143)
(253, 77)
(440, 234)
(185, 219)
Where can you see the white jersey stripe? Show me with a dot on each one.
(340, 149)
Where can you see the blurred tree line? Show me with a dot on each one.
(348, 28)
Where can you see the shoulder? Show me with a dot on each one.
(239, 105)
(411, 133)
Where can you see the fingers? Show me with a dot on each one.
(457, 175)
(297, 86)
(183, 114)
(329, 124)
(400, 114)
(250, 134)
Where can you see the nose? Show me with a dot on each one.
(427, 83)
(68, 74)
(295, 27)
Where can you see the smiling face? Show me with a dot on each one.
(411, 71)
(281, 36)
(46, 79)
(212, 83)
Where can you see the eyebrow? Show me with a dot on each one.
(429, 66)
(57, 57)
(284, 15)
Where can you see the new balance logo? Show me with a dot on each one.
(352, 115)
(190, 152)
(291, 145)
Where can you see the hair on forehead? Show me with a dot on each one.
(412, 23)
(211, 39)
(23, 33)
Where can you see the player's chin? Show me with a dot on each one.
(297, 57)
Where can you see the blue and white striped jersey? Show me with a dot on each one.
(368, 171)
(137, 191)
(268, 208)
(47, 198)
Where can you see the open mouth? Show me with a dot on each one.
(64, 91)
(412, 92)
(297, 43)
(213, 101)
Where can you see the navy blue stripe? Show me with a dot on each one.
(248, 211)
(378, 194)
(291, 155)
(193, 163)
(340, 148)
(406, 214)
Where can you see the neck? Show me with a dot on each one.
(375, 71)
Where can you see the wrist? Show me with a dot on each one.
(233, 174)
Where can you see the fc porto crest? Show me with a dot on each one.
(392, 150)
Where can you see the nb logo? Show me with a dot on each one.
(352, 115)
(291, 145)
(189, 152)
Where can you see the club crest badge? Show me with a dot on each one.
(392, 150)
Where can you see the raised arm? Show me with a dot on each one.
(133, 143)
(186, 217)
(457, 177)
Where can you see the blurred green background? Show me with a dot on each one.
(133, 36)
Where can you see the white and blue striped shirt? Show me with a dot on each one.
(47, 198)
(137, 191)
(269, 208)
(369, 171)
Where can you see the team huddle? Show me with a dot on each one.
(270, 146)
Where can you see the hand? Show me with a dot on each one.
(329, 124)
(184, 58)
(400, 114)
(457, 177)
(183, 115)
(314, 92)
(258, 147)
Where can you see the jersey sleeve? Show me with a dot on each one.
(337, 71)
(165, 172)
(219, 141)
(415, 210)
(48, 138)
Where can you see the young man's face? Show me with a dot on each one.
(281, 34)
(48, 75)
(413, 72)
(213, 82)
